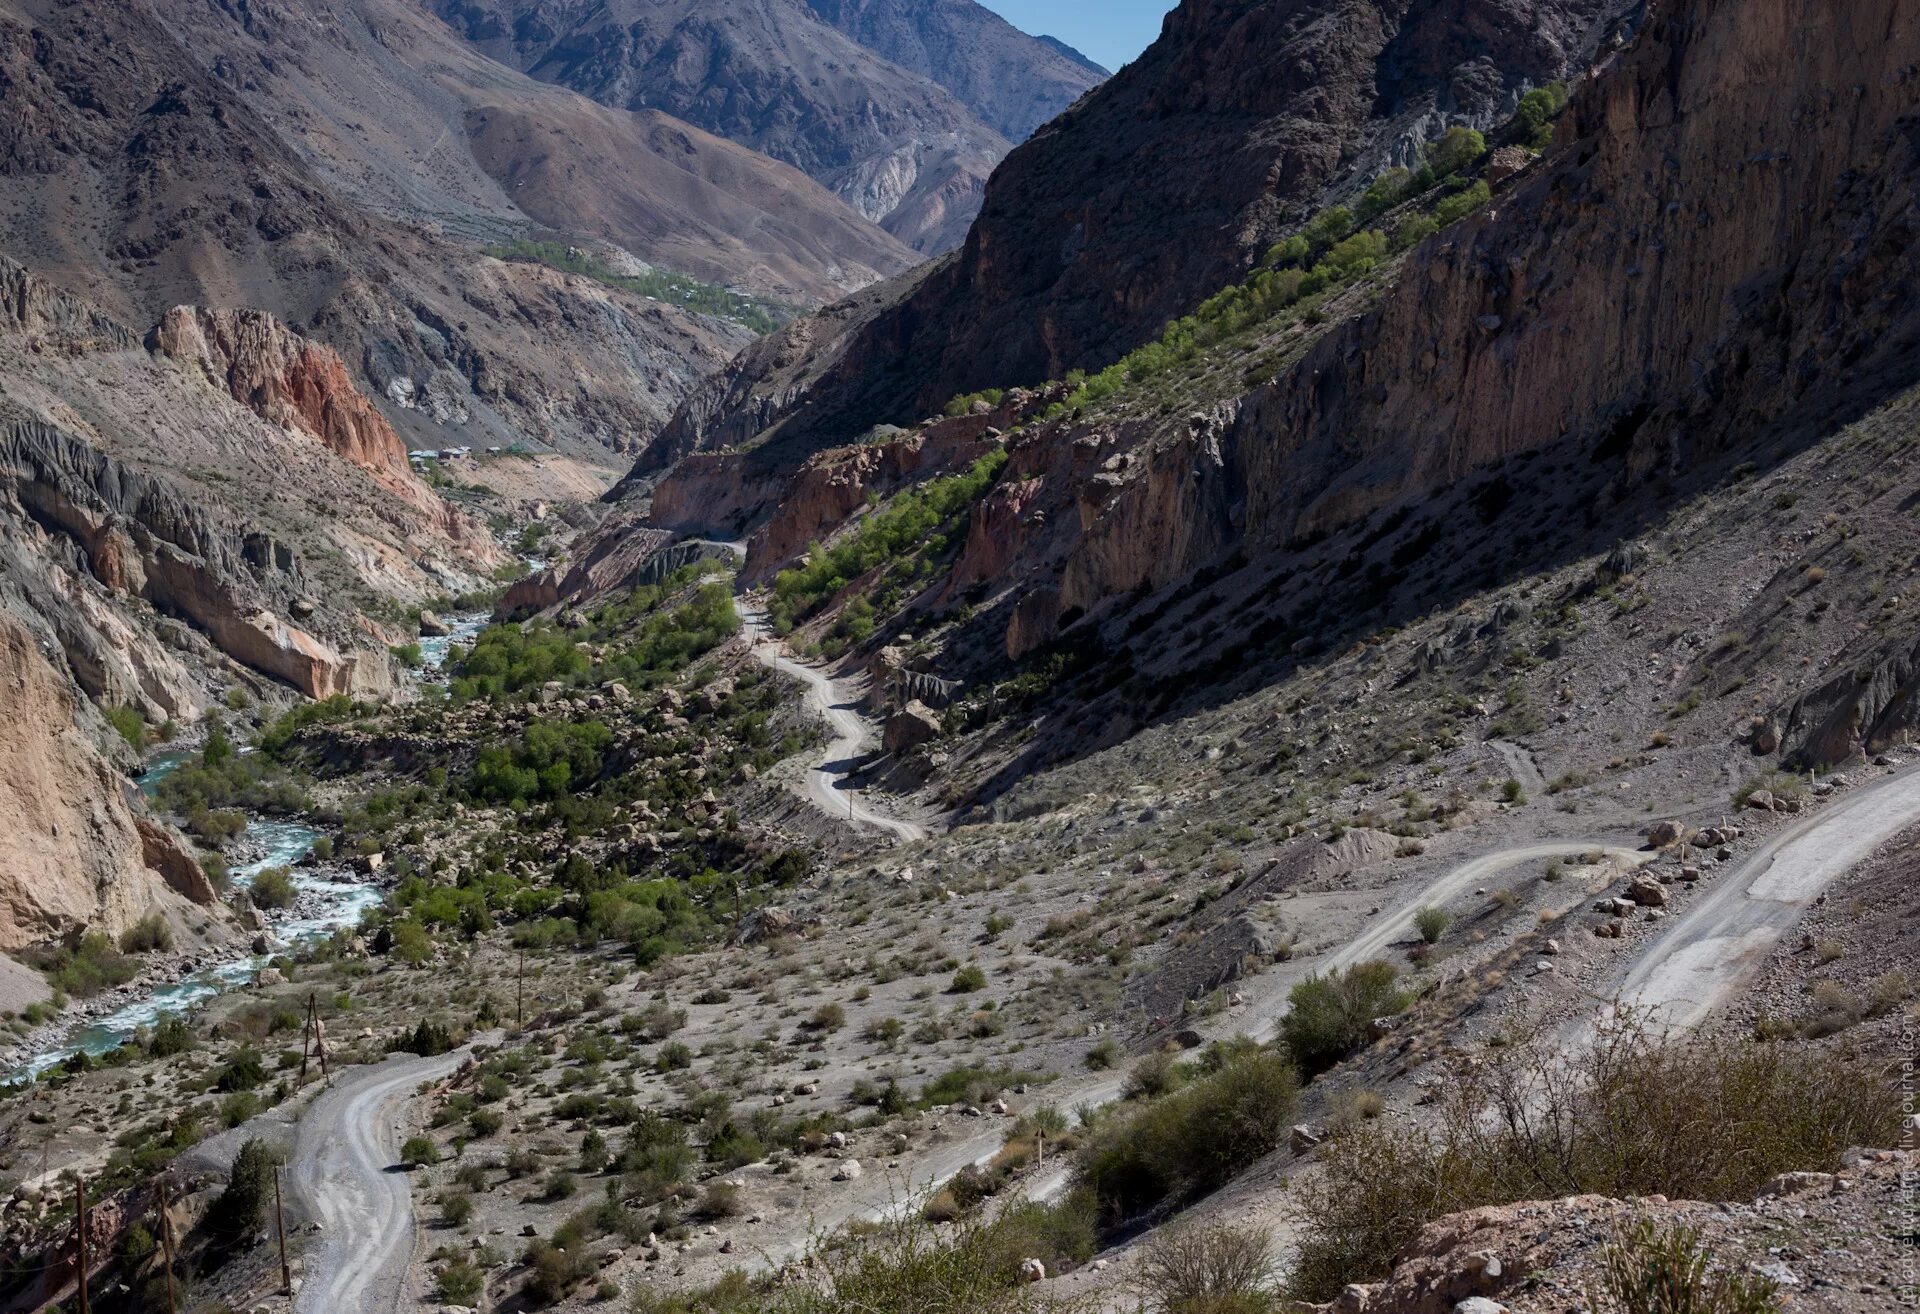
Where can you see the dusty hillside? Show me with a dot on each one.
(141, 178)
(769, 74)
(1153, 193)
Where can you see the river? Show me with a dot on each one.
(324, 904)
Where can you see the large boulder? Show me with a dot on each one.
(910, 727)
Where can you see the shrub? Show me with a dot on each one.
(419, 1152)
(1188, 1269)
(1103, 1055)
(1193, 1140)
(1649, 1272)
(1461, 204)
(826, 1018)
(1432, 923)
(457, 1209)
(273, 888)
(1386, 191)
(84, 965)
(1634, 1115)
(151, 934)
(460, 1282)
(129, 724)
(171, 1036)
(968, 979)
(1532, 122)
(237, 1213)
(1460, 148)
(908, 1267)
(1328, 1016)
(243, 1071)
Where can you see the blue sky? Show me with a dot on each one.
(1110, 32)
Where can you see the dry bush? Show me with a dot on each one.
(1648, 1272)
(1189, 1269)
(1693, 1118)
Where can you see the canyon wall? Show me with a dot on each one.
(73, 853)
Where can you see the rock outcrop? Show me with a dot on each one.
(304, 387)
(73, 852)
(138, 535)
(1627, 300)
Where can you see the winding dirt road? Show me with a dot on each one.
(836, 704)
(1260, 1019)
(345, 1172)
(1712, 951)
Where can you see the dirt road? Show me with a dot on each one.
(345, 1173)
(1260, 1019)
(854, 736)
(1711, 952)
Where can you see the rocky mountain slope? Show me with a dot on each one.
(1013, 81)
(1153, 193)
(332, 167)
(817, 88)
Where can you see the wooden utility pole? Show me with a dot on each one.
(520, 993)
(280, 1226)
(80, 1228)
(166, 1244)
(306, 1039)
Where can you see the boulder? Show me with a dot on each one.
(1760, 800)
(1666, 834)
(432, 627)
(910, 727)
(1647, 892)
(1032, 1270)
(848, 1171)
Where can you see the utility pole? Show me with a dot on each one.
(520, 993)
(166, 1243)
(1039, 1149)
(80, 1228)
(306, 1038)
(280, 1226)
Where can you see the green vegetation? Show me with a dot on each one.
(1532, 123)
(272, 888)
(408, 654)
(212, 790)
(649, 642)
(129, 724)
(151, 934)
(909, 524)
(1651, 1272)
(1188, 1269)
(660, 284)
(1332, 249)
(238, 1212)
(83, 965)
(1696, 1119)
(545, 763)
(1432, 923)
(1191, 1141)
(1328, 1016)
(964, 404)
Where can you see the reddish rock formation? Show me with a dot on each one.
(303, 386)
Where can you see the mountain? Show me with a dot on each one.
(1149, 195)
(1013, 81)
(899, 147)
(331, 164)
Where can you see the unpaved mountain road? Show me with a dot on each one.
(1260, 1018)
(836, 704)
(1712, 951)
(345, 1174)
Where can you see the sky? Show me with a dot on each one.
(1109, 32)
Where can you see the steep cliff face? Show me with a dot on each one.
(73, 853)
(1149, 195)
(1722, 246)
